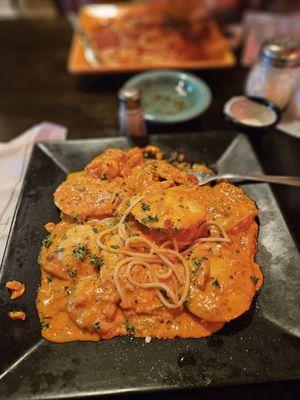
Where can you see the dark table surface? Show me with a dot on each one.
(35, 87)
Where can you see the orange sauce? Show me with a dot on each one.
(90, 291)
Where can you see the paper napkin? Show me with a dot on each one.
(14, 157)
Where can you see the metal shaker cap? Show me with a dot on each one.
(130, 96)
(281, 51)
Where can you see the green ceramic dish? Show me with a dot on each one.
(171, 96)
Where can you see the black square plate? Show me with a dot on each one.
(260, 346)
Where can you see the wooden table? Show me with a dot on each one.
(35, 87)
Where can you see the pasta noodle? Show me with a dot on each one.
(142, 249)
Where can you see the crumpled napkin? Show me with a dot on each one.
(14, 157)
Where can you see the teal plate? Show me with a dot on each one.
(171, 96)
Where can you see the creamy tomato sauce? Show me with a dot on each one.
(143, 250)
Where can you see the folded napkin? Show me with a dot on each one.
(14, 157)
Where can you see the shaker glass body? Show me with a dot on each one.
(270, 82)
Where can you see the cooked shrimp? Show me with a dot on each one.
(17, 289)
(174, 208)
(228, 292)
(83, 197)
(20, 315)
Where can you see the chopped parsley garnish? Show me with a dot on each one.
(145, 207)
(197, 261)
(96, 326)
(59, 249)
(49, 278)
(206, 381)
(96, 261)
(115, 222)
(134, 234)
(216, 284)
(45, 324)
(80, 252)
(254, 279)
(115, 246)
(47, 241)
(68, 290)
(73, 272)
(150, 219)
(129, 328)
(96, 230)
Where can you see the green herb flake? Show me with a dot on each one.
(254, 279)
(145, 207)
(49, 278)
(150, 219)
(68, 290)
(197, 261)
(80, 252)
(45, 324)
(115, 246)
(96, 326)
(95, 230)
(96, 261)
(47, 242)
(129, 328)
(206, 381)
(216, 284)
(115, 222)
(59, 250)
(73, 272)
(134, 234)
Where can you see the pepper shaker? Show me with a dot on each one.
(273, 77)
(131, 118)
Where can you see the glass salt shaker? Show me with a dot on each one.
(131, 118)
(273, 77)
